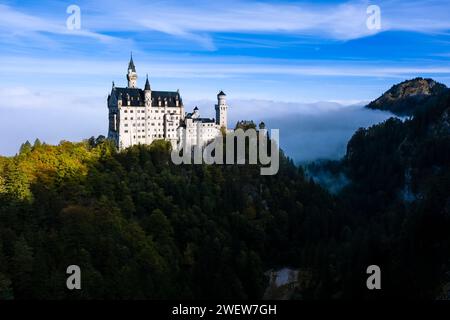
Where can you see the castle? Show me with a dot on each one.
(139, 116)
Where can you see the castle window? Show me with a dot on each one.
(126, 111)
(126, 124)
(126, 131)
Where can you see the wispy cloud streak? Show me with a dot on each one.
(220, 67)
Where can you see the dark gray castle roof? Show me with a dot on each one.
(206, 120)
(201, 120)
(137, 97)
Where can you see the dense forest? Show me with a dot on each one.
(141, 227)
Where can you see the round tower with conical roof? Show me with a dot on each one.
(221, 110)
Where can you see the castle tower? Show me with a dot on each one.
(132, 75)
(148, 93)
(221, 110)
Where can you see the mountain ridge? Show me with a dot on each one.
(407, 97)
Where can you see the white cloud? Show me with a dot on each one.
(330, 21)
(198, 21)
(51, 116)
(16, 98)
(14, 23)
(308, 131)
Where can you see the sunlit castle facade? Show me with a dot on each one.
(140, 116)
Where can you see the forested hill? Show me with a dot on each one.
(410, 96)
(394, 182)
(141, 227)
(399, 173)
(403, 155)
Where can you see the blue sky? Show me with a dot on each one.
(290, 55)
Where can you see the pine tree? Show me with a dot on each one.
(37, 143)
(25, 148)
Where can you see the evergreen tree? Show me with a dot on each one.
(37, 143)
(25, 148)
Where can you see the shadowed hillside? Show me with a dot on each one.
(397, 177)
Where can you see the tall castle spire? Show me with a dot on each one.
(132, 74)
(131, 64)
(147, 84)
(148, 93)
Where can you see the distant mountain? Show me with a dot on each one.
(405, 98)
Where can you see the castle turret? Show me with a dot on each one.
(132, 74)
(195, 114)
(221, 110)
(148, 93)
